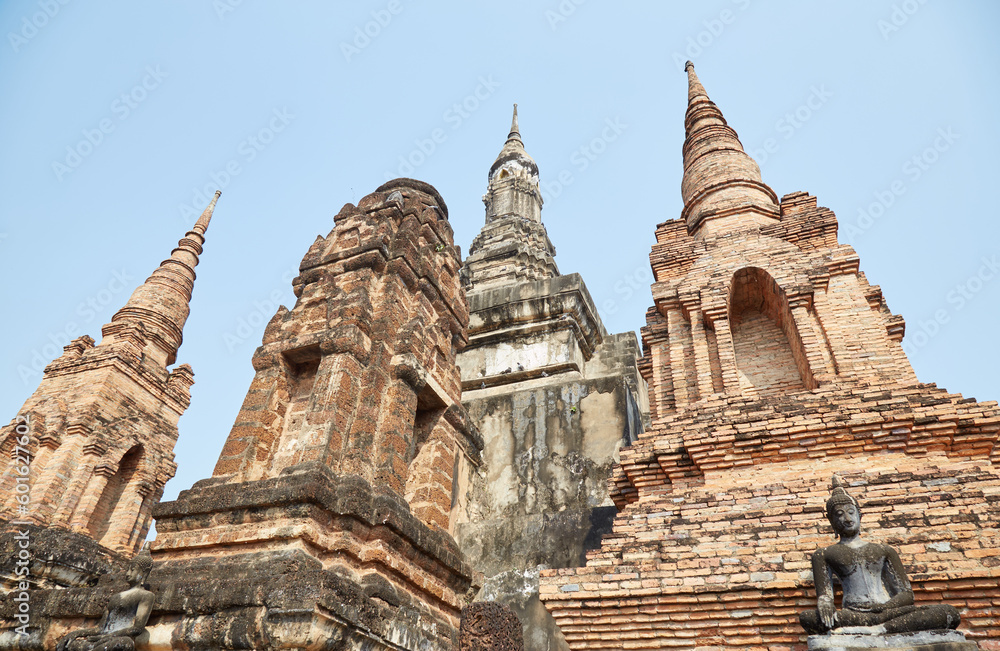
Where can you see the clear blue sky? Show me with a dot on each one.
(309, 112)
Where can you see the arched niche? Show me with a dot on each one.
(100, 519)
(769, 355)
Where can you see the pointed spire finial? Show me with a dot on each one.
(695, 88)
(514, 130)
(202, 224)
(161, 304)
(513, 149)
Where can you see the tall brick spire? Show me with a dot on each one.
(513, 245)
(720, 179)
(160, 306)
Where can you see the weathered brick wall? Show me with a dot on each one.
(726, 563)
(367, 352)
(835, 323)
(102, 427)
(766, 363)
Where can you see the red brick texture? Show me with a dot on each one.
(367, 351)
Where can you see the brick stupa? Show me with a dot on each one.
(772, 363)
(101, 430)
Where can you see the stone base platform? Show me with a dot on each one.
(922, 641)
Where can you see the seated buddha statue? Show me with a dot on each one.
(124, 618)
(877, 598)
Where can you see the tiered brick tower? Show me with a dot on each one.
(325, 524)
(772, 363)
(103, 424)
(554, 395)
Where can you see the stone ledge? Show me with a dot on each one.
(202, 506)
(271, 600)
(922, 641)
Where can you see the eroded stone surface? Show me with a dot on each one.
(489, 626)
(924, 641)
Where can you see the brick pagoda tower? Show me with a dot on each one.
(103, 424)
(325, 523)
(554, 396)
(772, 363)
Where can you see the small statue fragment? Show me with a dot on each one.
(877, 595)
(124, 618)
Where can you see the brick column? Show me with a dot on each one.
(151, 493)
(56, 483)
(47, 443)
(394, 434)
(124, 516)
(339, 380)
(80, 508)
(432, 477)
(719, 318)
(699, 344)
(678, 353)
(658, 388)
(816, 372)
